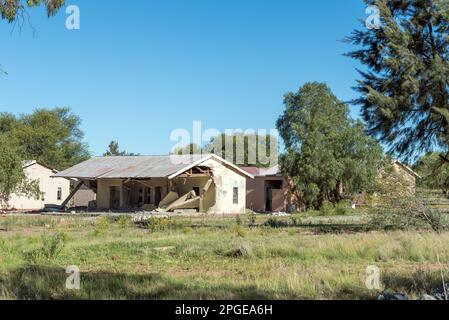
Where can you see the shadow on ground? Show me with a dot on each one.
(44, 283)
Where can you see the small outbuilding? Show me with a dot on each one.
(172, 183)
(270, 191)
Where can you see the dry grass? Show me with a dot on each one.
(210, 258)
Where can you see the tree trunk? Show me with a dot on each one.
(341, 190)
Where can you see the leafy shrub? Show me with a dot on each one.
(124, 221)
(244, 250)
(50, 250)
(238, 220)
(104, 222)
(327, 209)
(276, 223)
(241, 232)
(252, 219)
(158, 224)
(342, 209)
(296, 221)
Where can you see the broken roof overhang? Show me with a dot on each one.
(264, 172)
(140, 167)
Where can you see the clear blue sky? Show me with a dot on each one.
(139, 69)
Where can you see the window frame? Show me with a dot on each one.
(235, 195)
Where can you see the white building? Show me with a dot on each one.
(53, 190)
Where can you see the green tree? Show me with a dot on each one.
(246, 149)
(12, 10)
(51, 136)
(8, 122)
(192, 148)
(114, 151)
(13, 179)
(404, 93)
(326, 152)
(434, 171)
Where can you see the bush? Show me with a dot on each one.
(327, 209)
(158, 224)
(342, 209)
(243, 251)
(252, 219)
(124, 222)
(241, 232)
(276, 223)
(296, 221)
(238, 220)
(50, 250)
(102, 225)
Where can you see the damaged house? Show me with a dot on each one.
(204, 183)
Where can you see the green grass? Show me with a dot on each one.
(213, 258)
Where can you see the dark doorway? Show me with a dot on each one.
(157, 196)
(114, 198)
(269, 199)
(270, 187)
(197, 191)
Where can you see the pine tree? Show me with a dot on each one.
(404, 93)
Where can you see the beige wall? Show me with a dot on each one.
(408, 179)
(284, 200)
(103, 191)
(226, 180)
(83, 196)
(48, 186)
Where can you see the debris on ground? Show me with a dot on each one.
(393, 296)
(437, 294)
(280, 214)
(172, 202)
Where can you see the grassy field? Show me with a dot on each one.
(213, 258)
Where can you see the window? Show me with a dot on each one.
(59, 194)
(235, 196)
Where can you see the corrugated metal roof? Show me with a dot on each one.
(137, 167)
(141, 167)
